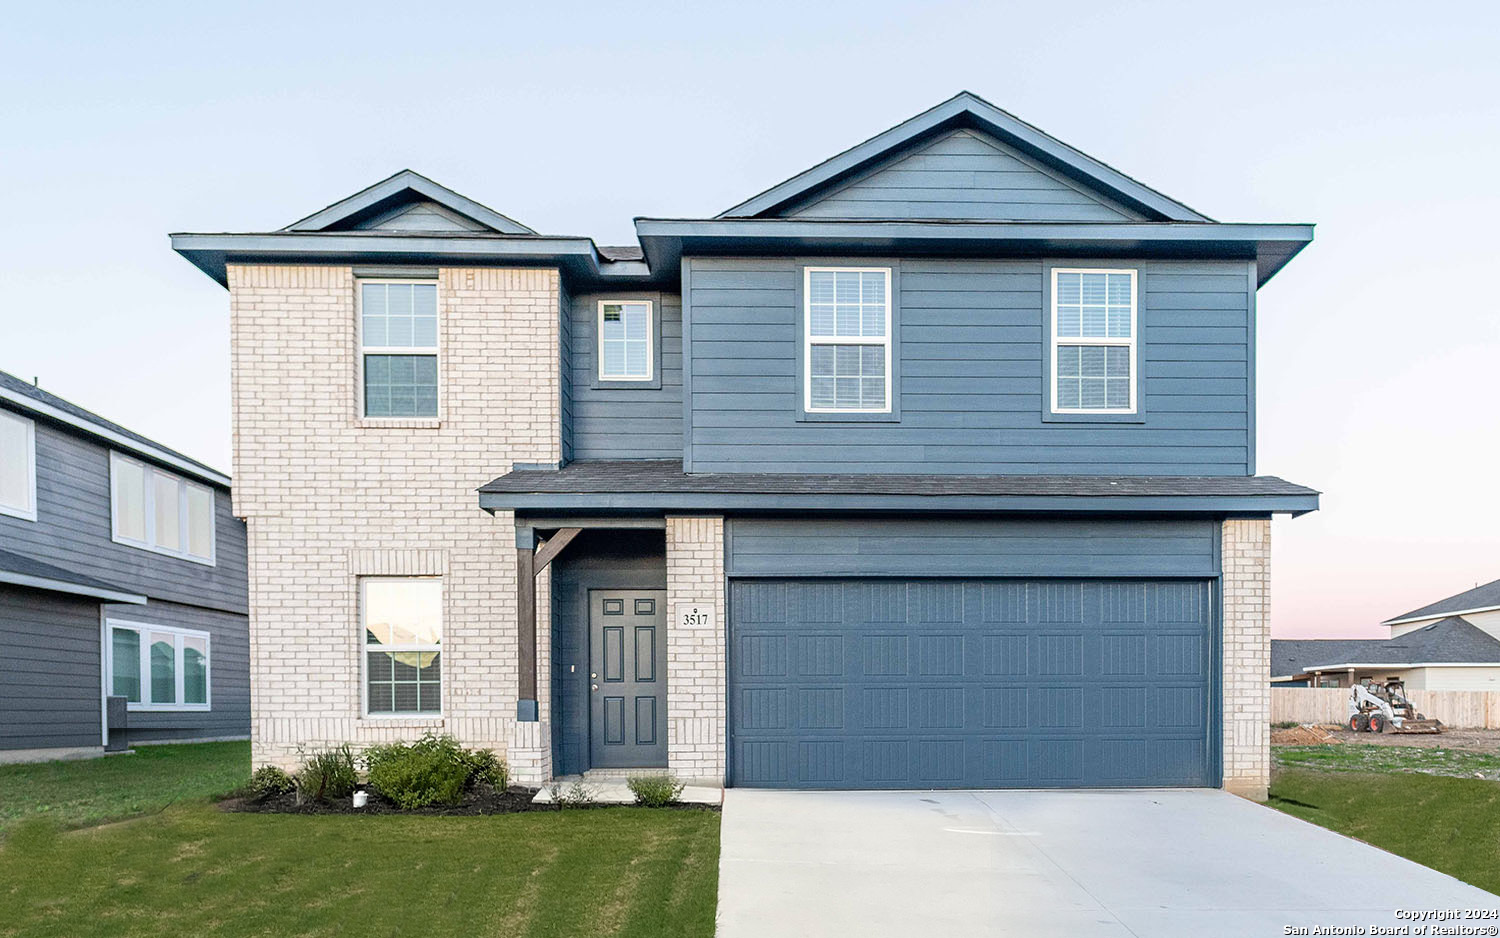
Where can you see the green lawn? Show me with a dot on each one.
(1353, 757)
(188, 868)
(91, 791)
(1448, 824)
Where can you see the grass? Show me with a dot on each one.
(1448, 824)
(182, 866)
(1366, 758)
(92, 791)
(195, 870)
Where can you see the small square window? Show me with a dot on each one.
(625, 340)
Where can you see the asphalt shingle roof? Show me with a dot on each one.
(30, 567)
(645, 476)
(1452, 640)
(1480, 597)
(26, 389)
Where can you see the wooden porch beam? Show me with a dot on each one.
(552, 547)
(526, 705)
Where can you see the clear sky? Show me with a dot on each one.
(1379, 346)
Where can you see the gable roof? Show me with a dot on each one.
(1479, 599)
(28, 397)
(391, 194)
(969, 110)
(1450, 641)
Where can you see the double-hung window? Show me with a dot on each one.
(846, 339)
(156, 510)
(398, 331)
(17, 466)
(155, 667)
(402, 622)
(1094, 334)
(625, 352)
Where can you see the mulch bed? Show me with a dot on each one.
(480, 801)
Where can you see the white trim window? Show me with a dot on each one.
(156, 510)
(17, 466)
(401, 619)
(157, 667)
(846, 336)
(398, 341)
(1094, 335)
(624, 349)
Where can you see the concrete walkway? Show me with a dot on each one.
(1080, 864)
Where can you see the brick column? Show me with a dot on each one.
(1246, 561)
(696, 732)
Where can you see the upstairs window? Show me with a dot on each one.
(399, 348)
(17, 466)
(1093, 341)
(847, 341)
(156, 510)
(625, 352)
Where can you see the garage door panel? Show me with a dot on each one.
(981, 683)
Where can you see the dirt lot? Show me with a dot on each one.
(1471, 740)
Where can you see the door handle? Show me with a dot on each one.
(593, 686)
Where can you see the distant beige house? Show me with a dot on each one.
(1452, 644)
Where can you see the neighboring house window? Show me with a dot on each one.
(399, 348)
(156, 510)
(1093, 341)
(17, 466)
(846, 339)
(155, 667)
(625, 330)
(402, 621)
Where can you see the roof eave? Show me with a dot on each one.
(394, 185)
(1208, 505)
(106, 594)
(1271, 246)
(213, 252)
(1439, 615)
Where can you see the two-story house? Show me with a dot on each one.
(931, 466)
(122, 574)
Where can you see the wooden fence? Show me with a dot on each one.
(1463, 709)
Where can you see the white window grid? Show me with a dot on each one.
(1128, 342)
(650, 374)
(359, 324)
(809, 340)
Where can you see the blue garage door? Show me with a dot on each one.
(970, 683)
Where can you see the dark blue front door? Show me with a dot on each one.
(627, 678)
(970, 683)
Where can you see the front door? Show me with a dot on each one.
(627, 678)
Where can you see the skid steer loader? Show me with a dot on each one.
(1378, 708)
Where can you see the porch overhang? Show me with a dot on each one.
(600, 487)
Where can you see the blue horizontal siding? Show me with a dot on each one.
(971, 375)
(624, 423)
(963, 174)
(975, 547)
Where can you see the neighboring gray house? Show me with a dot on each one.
(1452, 644)
(933, 466)
(122, 571)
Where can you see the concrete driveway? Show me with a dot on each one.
(1082, 863)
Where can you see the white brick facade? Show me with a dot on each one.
(1246, 561)
(696, 731)
(330, 496)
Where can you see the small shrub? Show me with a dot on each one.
(269, 781)
(575, 795)
(655, 791)
(485, 766)
(327, 775)
(432, 770)
(1285, 725)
